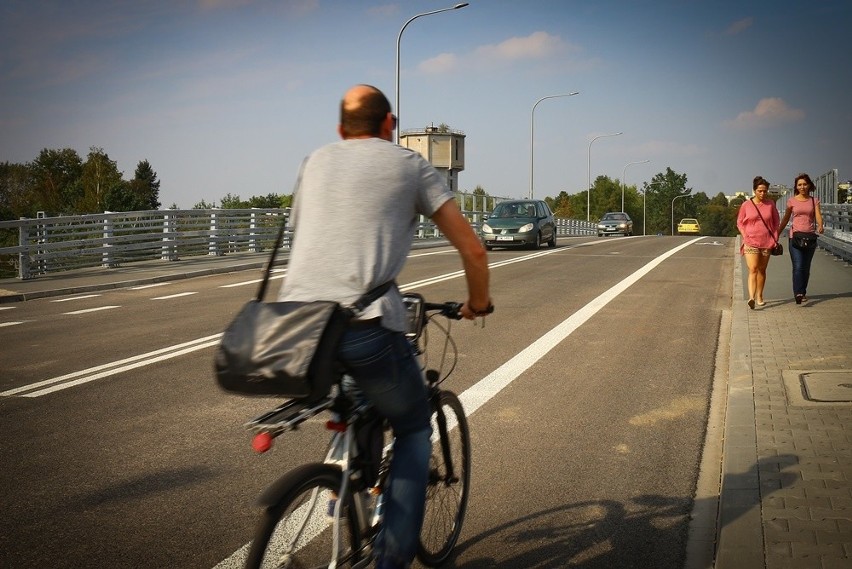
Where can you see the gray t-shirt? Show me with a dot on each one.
(355, 211)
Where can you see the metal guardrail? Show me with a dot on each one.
(111, 239)
(837, 239)
(51, 244)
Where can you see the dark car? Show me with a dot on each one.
(615, 223)
(519, 223)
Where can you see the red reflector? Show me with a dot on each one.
(338, 426)
(261, 442)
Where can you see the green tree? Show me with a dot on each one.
(561, 205)
(145, 187)
(204, 205)
(56, 186)
(16, 196)
(660, 192)
(231, 201)
(605, 196)
(266, 202)
(102, 183)
(138, 194)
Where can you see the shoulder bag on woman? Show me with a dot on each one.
(779, 248)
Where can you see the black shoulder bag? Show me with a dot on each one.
(286, 349)
(806, 240)
(779, 248)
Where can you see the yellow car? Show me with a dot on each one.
(688, 225)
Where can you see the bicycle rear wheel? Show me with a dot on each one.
(296, 530)
(449, 481)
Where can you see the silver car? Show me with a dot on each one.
(615, 223)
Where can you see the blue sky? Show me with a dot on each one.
(228, 96)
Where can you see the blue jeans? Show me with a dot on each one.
(801, 259)
(385, 368)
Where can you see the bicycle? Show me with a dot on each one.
(327, 514)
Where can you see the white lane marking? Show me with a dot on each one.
(4, 324)
(97, 372)
(178, 295)
(251, 282)
(76, 298)
(413, 255)
(143, 287)
(118, 367)
(7, 307)
(477, 395)
(145, 359)
(89, 310)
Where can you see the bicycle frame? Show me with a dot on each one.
(342, 451)
(360, 488)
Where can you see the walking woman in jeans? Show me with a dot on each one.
(757, 222)
(804, 209)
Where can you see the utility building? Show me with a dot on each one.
(441, 146)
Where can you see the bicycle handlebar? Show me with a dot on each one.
(452, 309)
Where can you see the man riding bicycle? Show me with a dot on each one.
(355, 210)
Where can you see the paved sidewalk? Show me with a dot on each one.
(786, 499)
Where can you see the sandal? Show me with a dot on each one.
(751, 303)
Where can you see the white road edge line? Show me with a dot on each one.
(81, 297)
(87, 310)
(116, 365)
(480, 393)
(171, 296)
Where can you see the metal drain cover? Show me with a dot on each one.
(828, 386)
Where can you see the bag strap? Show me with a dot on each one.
(763, 220)
(371, 296)
(267, 268)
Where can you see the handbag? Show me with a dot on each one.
(805, 240)
(778, 249)
(286, 349)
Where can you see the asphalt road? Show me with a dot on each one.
(592, 384)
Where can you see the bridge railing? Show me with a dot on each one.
(111, 239)
(837, 238)
(51, 244)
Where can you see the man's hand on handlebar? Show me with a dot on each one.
(470, 311)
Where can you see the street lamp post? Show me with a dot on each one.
(589, 193)
(399, 37)
(673, 201)
(532, 131)
(623, 173)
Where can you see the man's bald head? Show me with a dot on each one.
(363, 110)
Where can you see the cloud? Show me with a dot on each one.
(770, 111)
(384, 11)
(443, 63)
(739, 26)
(538, 46)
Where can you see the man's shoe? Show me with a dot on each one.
(799, 298)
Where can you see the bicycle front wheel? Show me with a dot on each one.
(296, 529)
(449, 481)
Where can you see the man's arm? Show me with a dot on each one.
(456, 228)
